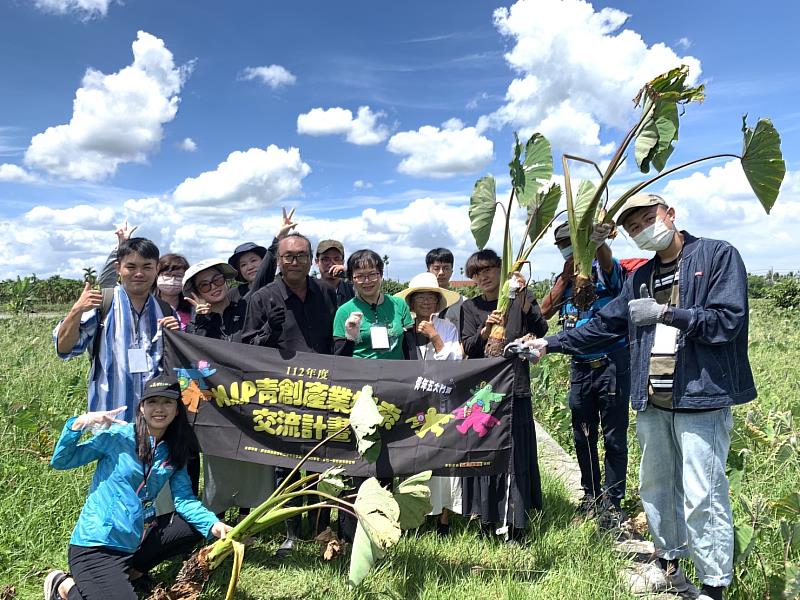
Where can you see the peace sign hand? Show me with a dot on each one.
(287, 224)
(124, 232)
(201, 307)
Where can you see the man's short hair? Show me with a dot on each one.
(442, 255)
(141, 246)
(364, 259)
(295, 234)
(481, 256)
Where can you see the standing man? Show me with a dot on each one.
(330, 262)
(686, 314)
(120, 334)
(600, 381)
(439, 261)
(294, 312)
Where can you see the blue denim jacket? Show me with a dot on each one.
(113, 515)
(712, 369)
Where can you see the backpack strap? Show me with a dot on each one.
(102, 312)
(166, 309)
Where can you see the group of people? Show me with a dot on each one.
(671, 337)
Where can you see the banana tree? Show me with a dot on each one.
(531, 185)
(381, 513)
(653, 138)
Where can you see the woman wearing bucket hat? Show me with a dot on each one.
(255, 265)
(227, 482)
(437, 339)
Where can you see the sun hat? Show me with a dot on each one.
(561, 233)
(639, 201)
(220, 264)
(241, 249)
(426, 282)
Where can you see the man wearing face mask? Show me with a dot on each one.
(686, 314)
(600, 381)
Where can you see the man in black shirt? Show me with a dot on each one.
(330, 262)
(294, 312)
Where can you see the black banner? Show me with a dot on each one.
(269, 406)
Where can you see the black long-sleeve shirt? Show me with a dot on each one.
(473, 317)
(308, 326)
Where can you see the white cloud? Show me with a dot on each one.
(15, 174)
(577, 67)
(117, 118)
(360, 184)
(363, 130)
(188, 144)
(274, 76)
(251, 179)
(85, 9)
(684, 43)
(82, 215)
(439, 153)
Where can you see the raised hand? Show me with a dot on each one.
(352, 326)
(124, 232)
(201, 307)
(645, 310)
(287, 224)
(276, 317)
(170, 323)
(427, 329)
(88, 300)
(101, 419)
(493, 318)
(336, 270)
(600, 232)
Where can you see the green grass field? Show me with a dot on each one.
(561, 559)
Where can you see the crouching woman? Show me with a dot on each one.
(118, 536)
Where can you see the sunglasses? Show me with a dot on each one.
(216, 281)
(300, 259)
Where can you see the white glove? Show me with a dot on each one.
(98, 420)
(352, 327)
(600, 232)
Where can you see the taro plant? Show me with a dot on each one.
(20, 295)
(653, 138)
(531, 185)
(381, 513)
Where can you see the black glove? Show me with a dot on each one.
(276, 317)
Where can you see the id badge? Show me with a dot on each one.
(666, 339)
(137, 360)
(379, 337)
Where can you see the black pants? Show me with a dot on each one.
(598, 396)
(101, 573)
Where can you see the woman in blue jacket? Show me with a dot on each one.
(118, 536)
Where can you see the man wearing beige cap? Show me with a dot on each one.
(330, 262)
(686, 314)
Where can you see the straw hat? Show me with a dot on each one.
(426, 282)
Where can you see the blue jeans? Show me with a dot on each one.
(684, 488)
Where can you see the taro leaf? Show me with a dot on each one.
(331, 481)
(736, 465)
(378, 528)
(236, 568)
(790, 533)
(537, 169)
(654, 144)
(743, 540)
(544, 206)
(762, 161)
(364, 420)
(481, 209)
(788, 506)
(791, 591)
(516, 170)
(413, 496)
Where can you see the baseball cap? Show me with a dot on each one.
(639, 201)
(562, 232)
(163, 385)
(326, 245)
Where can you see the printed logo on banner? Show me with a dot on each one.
(194, 387)
(476, 414)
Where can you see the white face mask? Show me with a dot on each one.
(566, 252)
(655, 238)
(168, 284)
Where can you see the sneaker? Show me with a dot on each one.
(610, 516)
(588, 506)
(678, 584)
(54, 579)
(286, 548)
(645, 578)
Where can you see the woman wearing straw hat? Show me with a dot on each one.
(437, 339)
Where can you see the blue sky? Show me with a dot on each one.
(231, 110)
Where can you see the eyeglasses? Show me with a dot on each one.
(216, 281)
(367, 277)
(300, 259)
(426, 297)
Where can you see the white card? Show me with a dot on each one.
(137, 360)
(379, 337)
(666, 339)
